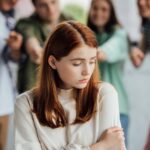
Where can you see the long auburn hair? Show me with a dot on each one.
(109, 27)
(67, 36)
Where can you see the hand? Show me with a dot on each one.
(34, 50)
(111, 139)
(101, 56)
(15, 42)
(137, 56)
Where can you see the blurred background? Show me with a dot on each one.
(137, 80)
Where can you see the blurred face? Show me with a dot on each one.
(144, 8)
(76, 69)
(100, 13)
(48, 10)
(7, 5)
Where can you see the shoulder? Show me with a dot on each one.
(107, 97)
(26, 21)
(106, 88)
(120, 31)
(107, 94)
(22, 24)
(23, 21)
(24, 99)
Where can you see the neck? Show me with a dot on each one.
(63, 87)
(100, 29)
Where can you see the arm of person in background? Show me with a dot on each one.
(137, 54)
(3, 33)
(15, 42)
(10, 43)
(31, 46)
(115, 49)
(34, 50)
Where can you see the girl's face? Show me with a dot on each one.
(76, 69)
(144, 8)
(100, 13)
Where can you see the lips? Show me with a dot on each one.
(83, 81)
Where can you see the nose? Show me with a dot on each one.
(86, 70)
(50, 7)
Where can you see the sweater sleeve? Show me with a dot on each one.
(116, 48)
(109, 107)
(24, 132)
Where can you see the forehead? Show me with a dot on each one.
(100, 2)
(8, 1)
(84, 52)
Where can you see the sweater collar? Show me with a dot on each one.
(66, 93)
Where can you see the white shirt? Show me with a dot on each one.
(6, 88)
(73, 137)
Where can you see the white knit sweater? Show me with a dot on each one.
(72, 137)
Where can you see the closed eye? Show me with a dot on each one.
(93, 62)
(76, 64)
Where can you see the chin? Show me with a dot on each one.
(81, 86)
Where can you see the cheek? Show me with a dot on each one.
(92, 69)
(106, 16)
(54, 12)
(95, 15)
(69, 72)
(149, 4)
(107, 19)
(148, 7)
(99, 17)
(55, 9)
(41, 13)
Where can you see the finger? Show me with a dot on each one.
(121, 133)
(114, 129)
(141, 54)
(137, 62)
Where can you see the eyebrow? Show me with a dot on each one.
(83, 58)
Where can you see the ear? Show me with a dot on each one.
(52, 61)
